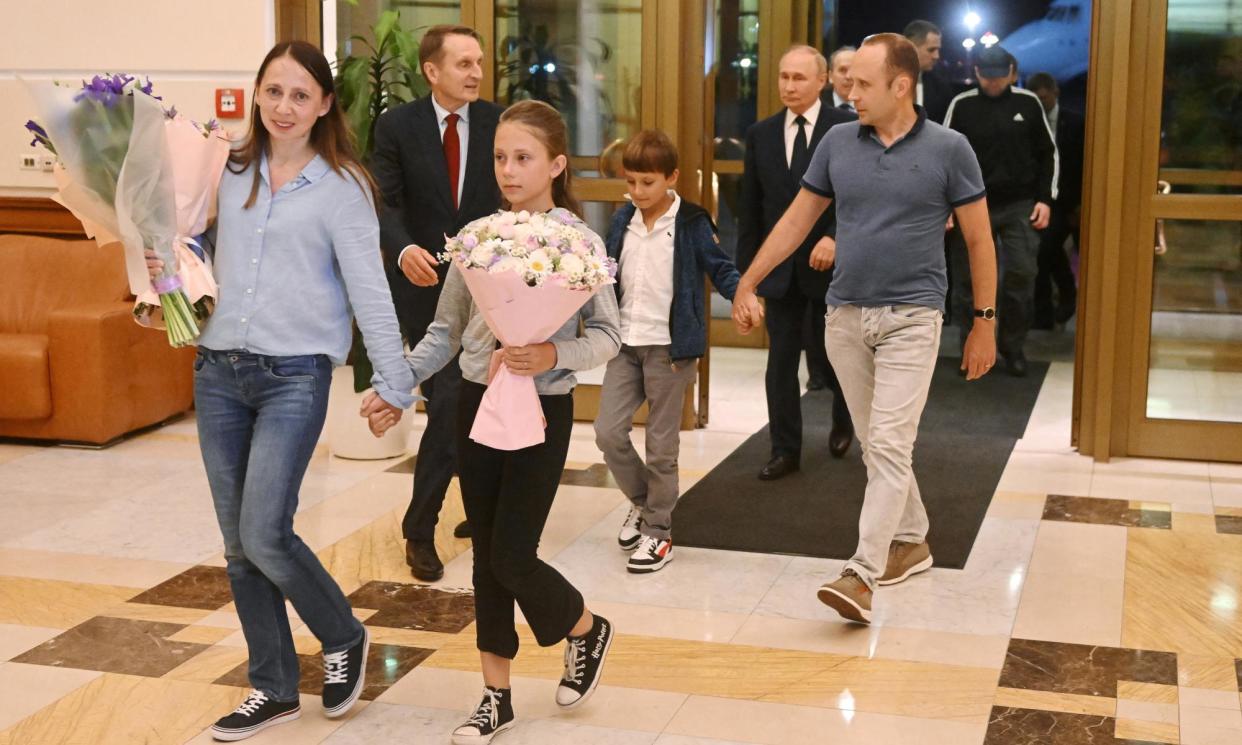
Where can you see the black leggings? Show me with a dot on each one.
(507, 496)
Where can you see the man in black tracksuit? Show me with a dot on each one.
(1007, 129)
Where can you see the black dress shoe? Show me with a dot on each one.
(462, 530)
(840, 439)
(1016, 365)
(781, 465)
(423, 561)
(816, 384)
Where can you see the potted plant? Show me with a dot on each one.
(385, 74)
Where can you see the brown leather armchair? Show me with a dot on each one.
(73, 364)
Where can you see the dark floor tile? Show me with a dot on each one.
(403, 606)
(1231, 524)
(1010, 726)
(1082, 669)
(115, 645)
(386, 664)
(203, 587)
(596, 475)
(1104, 512)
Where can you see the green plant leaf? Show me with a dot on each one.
(388, 21)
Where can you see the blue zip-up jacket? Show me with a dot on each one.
(696, 254)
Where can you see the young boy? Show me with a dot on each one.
(664, 246)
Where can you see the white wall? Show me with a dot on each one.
(187, 47)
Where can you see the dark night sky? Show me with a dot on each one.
(858, 18)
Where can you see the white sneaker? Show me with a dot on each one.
(650, 556)
(629, 536)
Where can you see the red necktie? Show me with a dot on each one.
(452, 153)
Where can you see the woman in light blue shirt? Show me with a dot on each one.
(296, 254)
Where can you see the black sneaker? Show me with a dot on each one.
(256, 713)
(584, 661)
(344, 677)
(493, 716)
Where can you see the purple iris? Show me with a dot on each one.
(108, 89)
(40, 134)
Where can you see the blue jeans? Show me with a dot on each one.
(259, 418)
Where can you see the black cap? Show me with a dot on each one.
(994, 62)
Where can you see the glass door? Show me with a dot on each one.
(1187, 352)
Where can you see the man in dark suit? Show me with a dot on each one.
(433, 162)
(932, 92)
(778, 151)
(1069, 132)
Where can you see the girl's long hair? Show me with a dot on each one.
(330, 136)
(546, 124)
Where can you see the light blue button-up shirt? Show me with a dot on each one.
(296, 266)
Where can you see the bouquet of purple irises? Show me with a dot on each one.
(135, 173)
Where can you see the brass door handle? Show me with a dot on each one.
(1162, 246)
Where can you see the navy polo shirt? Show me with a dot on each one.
(892, 205)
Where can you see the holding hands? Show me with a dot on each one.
(381, 415)
(747, 311)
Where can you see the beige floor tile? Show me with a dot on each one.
(759, 673)
(1068, 703)
(126, 709)
(784, 724)
(200, 634)
(55, 604)
(1069, 608)
(1207, 698)
(348, 511)
(1146, 711)
(1079, 550)
(1209, 726)
(1182, 593)
(10, 453)
(1185, 522)
(535, 698)
(91, 569)
(1017, 505)
(209, 665)
(409, 637)
(1129, 729)
(162, 613)
(15, 639)
(672, 623)
(25, 689)
(1205, 671)
(1146, 692)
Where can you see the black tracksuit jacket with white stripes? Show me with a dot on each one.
(1012, 141)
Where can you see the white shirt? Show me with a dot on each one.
(646, 275)
(1052, 121)
(791, 129)
(918, 91)
(463, 136)
(837, 101)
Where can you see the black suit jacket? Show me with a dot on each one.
(409, 166)
(768, 188)
(1071, 142)
(937, 94)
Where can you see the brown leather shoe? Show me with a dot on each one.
(779, 467)
(904, 560)
(849, 596)
(423, 560)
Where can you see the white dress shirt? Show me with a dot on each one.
(837, 101)
(463, 136)
(791, 129)
(918, 91)
(646, 275)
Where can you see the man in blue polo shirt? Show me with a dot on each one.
(896, 178)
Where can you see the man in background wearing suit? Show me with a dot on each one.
(933, 92)
(839, 82)
(778, 151)
(1069, 133)
(433, 162)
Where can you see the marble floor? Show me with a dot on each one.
(1100, 604)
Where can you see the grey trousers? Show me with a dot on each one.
(884, 358)
(635, 375)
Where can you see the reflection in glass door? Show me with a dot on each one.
(1193, 371)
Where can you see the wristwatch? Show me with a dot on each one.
(987, 314)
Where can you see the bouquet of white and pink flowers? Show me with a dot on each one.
(135, 173)
(528, 274)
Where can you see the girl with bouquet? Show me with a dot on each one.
(508, 493)
(296, 247)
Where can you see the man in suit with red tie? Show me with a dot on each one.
(778, 151)
(433, 163)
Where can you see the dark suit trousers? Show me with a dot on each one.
(1054, 268)
(784, 318)
(437, 454)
